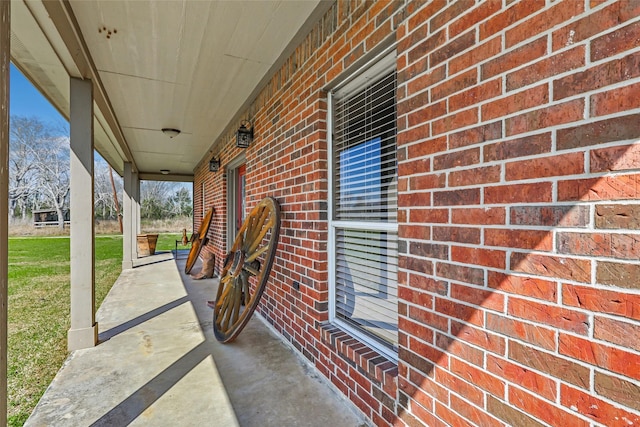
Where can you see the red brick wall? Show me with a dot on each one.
(519, 279)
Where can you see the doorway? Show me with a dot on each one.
(236, 198)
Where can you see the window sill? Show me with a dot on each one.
(375, 366)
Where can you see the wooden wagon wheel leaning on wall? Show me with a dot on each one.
(246, 270)
(198, 240)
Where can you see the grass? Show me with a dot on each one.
(39, 310)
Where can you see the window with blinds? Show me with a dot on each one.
(364, 204)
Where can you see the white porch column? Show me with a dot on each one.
(5, 37)
(135, 214)
(84, 329)
(128, 237)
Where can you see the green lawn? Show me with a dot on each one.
(39, 310)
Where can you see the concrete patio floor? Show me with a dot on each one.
(158, 364)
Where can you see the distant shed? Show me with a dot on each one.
(48, 217)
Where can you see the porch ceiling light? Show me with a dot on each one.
(170, 132)
(244, 135)
(164, 171)
(214, 164)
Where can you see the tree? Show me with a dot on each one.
(54, 179)
(27, 135)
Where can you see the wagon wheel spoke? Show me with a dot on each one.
(251, 255)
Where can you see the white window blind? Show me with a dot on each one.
(364, 203)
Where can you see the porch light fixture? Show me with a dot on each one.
(244, 135)
(171, 133)
(214, 164)
(164, 171)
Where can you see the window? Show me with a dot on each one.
(363, 222)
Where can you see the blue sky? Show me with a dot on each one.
(25, 100)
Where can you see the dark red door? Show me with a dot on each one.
(240, 196)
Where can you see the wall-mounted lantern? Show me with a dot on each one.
(244, 135)
(214, 164)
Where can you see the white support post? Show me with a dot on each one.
(5, 51)
(84, 329)
(128, 236)
(135, 214)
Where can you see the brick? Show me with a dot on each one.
(418, 265)
(426, 46)
(459, 386)
(427, 182)
(524, 100)
(508, 414)
(459, 311)
(618, 187)
(455, 84)
(459, 273)
(618, 158)
(594, 23)
(479, 256)
(526, 286)
(484, 133)
(624, 334)
(458, 348)
(542, 410)
(430, 112)
(548, 67)
(541, 22)
(559, 165)
(625, 38)
(519, 147)
(553, 115)
(595, 408)
(469, 196)
(450, 417)
(615, 100)
(475, 95)
(517, 238)
(480, 13)
(473, 413)
(429, 250)
(455, 121)
(518, 193)
(429, 352)
(613, 245)
(429, 215)
(453, 47)
(602, 300)
(551, 266)
(425, 148)
(479, 216)
(420, 78)
(480, 53)
(456, 234)
(456, 159)
(513, 14)
(550, 216)
(415, 329)
(415, 297)
(618, 216)
(537, 335)
(618, 390)
(561, 318)
(618, 274)
(597, 76)
(558, 367)
(474, 176)
(610, 358)
(414, 167)
(513, 59)
(480, 378)
(479, 337)
(429, 284)
(429, 318)
(539, 384)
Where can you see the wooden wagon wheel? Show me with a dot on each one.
(198, 241)
(246, 270)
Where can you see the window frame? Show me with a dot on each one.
(371, 68)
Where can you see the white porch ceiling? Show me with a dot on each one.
(190, 65)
